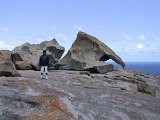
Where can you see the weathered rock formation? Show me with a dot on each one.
(6, 66)
(8, 69)
(102, 69)
(145, 88)
(20, 64)
(5, 55)
(80, 95)
(30, 53)
(23, 65)
(87, 52)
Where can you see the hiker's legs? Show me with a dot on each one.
(46, 71)
(42, 70)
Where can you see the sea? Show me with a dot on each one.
(147, 67)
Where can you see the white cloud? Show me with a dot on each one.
(61, 37)
(77, 27)
(140, 46)
(6, 29)
(14, 42)
(157, 39)
(5, 46)
(127, 37)
(140, 37)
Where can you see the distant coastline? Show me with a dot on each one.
(148, 67)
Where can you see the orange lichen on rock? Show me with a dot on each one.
(54, 103)
(77, 78)
(6, 54)
(58, 110)
(56, 115)
(3, 60)
(25, 82)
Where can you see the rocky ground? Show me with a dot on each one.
(80, 95)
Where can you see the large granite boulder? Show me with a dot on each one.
(23, 65)
(87, 51)
(7, 68)
(31, 52)
(20, 64)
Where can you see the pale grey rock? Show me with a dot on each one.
(87, 51)
(69, 95)
(102, 69)
(16, 57)
(31, 52)
(5, 55)
(8, 69)
(145, 88)
(23, 65)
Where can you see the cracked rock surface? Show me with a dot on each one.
(80, 95)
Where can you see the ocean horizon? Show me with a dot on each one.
(147, 67)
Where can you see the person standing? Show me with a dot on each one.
(44, 63)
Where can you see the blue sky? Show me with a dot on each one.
(130, 27)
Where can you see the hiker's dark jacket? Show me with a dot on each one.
(44, 60)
